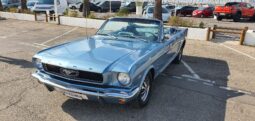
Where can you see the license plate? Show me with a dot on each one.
(222, 14)
(76, 95)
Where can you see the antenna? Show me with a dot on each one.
(86, 17)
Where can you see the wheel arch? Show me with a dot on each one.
(150, 70)
(183, 44)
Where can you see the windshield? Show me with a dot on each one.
(31, 3)
(151, 9)
(170, 7)
(201, 8)
(138, 29)
(232, 3)
(4, 1)
(45, 1)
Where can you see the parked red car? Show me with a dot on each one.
(203, 12)
(235, 11)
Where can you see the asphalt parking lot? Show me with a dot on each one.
(214, 82)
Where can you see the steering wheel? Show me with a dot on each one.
(125, 34)
(153, 35)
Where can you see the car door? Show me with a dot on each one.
(244, 9)
(106, 6)
(164, 54)
(207, 11)
(250, 10)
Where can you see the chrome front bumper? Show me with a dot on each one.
(47, 80)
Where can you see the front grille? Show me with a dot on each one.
(83, 76)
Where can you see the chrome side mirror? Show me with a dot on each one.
(167, 36)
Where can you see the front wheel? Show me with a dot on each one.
(99, 10)
(178, 58)
(218, 18)
(202, 16)
(236, 18)
(73, 7)
(145, 92)
(252, 18)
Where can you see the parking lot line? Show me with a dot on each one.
(41, 45)
(238, 51)
(201, 81)
(3, 37)
(32, 45)
(52, 39)
(190, 70)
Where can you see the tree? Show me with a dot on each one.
(23, 5)
(86, 8)
(1, 6)
(158, 10)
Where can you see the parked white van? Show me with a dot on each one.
(10, 3)
(48, 5)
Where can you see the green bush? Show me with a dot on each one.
(123, 12)
(108, 16)
(72, 13)
(201, 25)
(91, 15)
(65, 12)
(177, 21)
(12, 10)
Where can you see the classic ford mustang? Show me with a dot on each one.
(116, 65)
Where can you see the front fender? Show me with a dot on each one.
(146, 72)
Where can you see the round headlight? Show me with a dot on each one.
(37, 62)
(123, 78)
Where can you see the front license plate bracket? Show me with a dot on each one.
(76, 95)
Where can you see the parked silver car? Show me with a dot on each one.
(148, 13)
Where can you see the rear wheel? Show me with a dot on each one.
(252, 18)
(73, 7)
(237, 17)
(219, 18)
(178, 58)
(99, 10)
(145, 92)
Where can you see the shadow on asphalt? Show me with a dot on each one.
(19, 62)
(173, 99)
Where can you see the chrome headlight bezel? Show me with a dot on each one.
(38, 63)
(123, 79)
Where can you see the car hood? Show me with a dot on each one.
(96, 54)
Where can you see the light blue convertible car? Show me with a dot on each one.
(117, 65)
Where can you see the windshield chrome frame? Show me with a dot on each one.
(160, 30)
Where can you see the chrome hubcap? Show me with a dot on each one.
(145, 90)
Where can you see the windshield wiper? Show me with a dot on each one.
(134, 37)
(107, 35)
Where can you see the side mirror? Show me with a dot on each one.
(167, 36)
